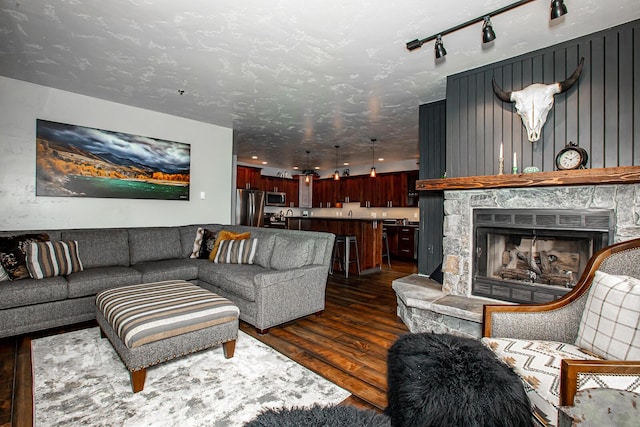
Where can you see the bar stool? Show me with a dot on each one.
(385, 246)
(337, 255)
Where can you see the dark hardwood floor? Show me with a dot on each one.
(347, 344)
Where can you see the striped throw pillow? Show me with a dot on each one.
(48, 259)
(236, 251)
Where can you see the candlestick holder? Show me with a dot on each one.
(500, 165)
(514, 170)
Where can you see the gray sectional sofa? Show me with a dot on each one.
(287, 280)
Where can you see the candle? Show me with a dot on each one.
(501, 151)
(515, 160)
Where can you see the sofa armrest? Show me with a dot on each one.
(284, 295)
(571, 369)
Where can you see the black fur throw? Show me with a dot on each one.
(445, 380)
(320, 416)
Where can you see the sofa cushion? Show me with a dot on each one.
(91, 281)
(233, 278)
(291, 252)
(48, 259)
(168, 269)
(538, 365)
(13, 252)
(265, 249)
(611, 318)
(154, 244)
(236, 251)
(32, 291)
(100, 247)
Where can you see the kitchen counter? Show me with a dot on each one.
(368, 232)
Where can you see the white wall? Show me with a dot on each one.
(22, 103)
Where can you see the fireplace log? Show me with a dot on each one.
(530, 262)
(518, 274)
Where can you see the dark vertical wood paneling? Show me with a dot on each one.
(584, 99)
(548, 139)
(601, 112)
(636, 94)
(571, 98)
(432, 136)
(625, 102)
(611, 93)
(596, 149)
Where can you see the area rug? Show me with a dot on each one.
(79, 379)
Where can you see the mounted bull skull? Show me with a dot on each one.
(534, 102)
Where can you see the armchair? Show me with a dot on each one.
(549, 332)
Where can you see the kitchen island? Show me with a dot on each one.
(368, 232)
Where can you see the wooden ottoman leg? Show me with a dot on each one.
(229, 348)
(137, 379)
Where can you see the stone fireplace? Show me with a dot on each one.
(620, 202)
(587, 209)
(534, 255)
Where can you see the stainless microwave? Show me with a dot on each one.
(276, 198)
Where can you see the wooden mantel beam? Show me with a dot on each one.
(599, 176)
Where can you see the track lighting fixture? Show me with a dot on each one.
(336, 174)
(440, 50)
(558, 9)
(488, 35)
(372, 174)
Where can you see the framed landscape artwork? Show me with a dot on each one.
(78, 161)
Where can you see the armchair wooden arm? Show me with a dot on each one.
(581, 288)
(571, 368)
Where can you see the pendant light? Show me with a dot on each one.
(307, 177)
(336, 174)
(372, 174)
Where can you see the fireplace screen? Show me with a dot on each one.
(534, 256)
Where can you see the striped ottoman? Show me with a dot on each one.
(151, 323)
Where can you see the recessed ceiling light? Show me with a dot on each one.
(381, 159)
(346, 163)
(264, 163)
(295, 168)
(254, 157)
(317, 168)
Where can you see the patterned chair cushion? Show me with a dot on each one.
(538, 365)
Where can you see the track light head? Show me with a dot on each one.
(558, 8)
(488, 35)
(440, 50)
(414, 44)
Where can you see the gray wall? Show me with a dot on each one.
(432, 135)
(601, 112)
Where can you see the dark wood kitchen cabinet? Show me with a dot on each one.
(248, 175)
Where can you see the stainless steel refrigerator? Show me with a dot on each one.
(250, 207)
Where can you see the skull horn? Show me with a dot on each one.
(500, 93)
(573, 78)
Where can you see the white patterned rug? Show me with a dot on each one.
(79, 379)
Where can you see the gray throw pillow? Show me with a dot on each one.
(265, 249)
(289, 252)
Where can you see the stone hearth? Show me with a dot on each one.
(424, 305)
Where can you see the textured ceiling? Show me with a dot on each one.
(286, 75)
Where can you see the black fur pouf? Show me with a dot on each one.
(320, 416)
(445, 380)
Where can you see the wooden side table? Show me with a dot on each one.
(599, 407)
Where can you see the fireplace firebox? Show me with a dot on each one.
(535, 255)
